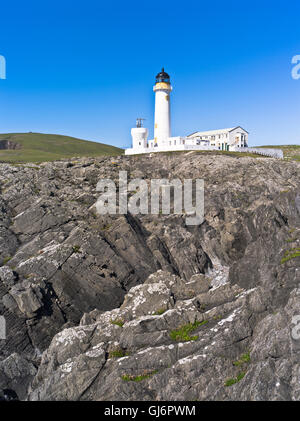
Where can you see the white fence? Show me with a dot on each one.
(274, 153)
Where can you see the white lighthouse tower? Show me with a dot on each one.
(162, 123)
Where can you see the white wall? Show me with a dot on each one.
(275, 153)
(139, 137)
(162, 121)
(238, 137)
(167, 148)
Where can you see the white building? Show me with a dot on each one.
(224, 139)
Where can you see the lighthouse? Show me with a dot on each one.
(232, 139)
(162, 122)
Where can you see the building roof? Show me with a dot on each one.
(215, 132)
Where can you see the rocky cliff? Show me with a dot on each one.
(145, 307)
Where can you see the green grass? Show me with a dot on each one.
(6, 260)
(76, 249)
(160, 311)
(38, 147)
(217, 152)
(290, 254)
(232, 381)
(233, 154)
(138, 378)
(245, 358)
(118, 322)
(118, 353)
(183, 332)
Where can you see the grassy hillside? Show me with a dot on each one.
(38, 147)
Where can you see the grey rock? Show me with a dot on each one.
(228, 340)
(28, 298)
(80, 288)
(16, 374)
(7, 276)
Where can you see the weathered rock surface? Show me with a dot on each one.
(15, 376)
(91, 361)
(85, 290)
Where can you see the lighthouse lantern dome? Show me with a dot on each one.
(162, 77)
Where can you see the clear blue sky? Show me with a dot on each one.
(87, 68)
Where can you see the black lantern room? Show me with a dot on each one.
(162, 77)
